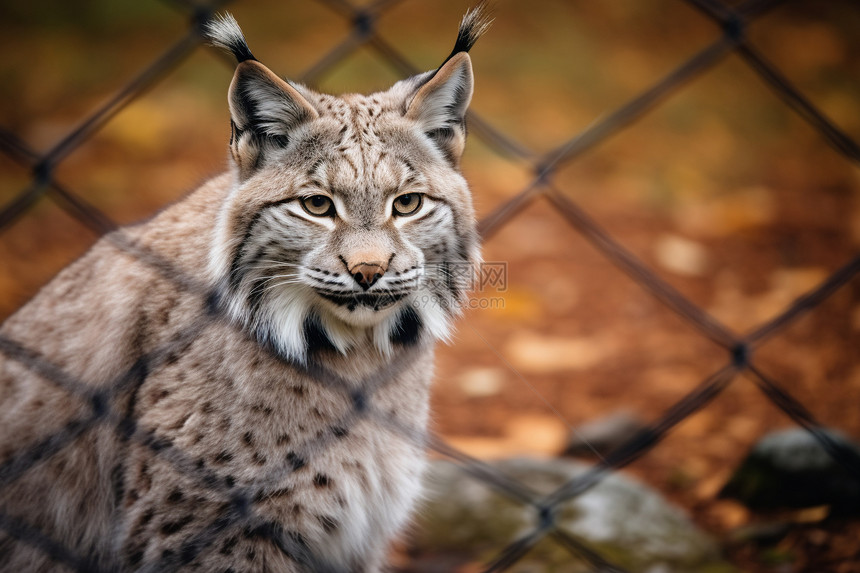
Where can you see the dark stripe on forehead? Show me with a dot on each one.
(379, 159)
(358, 131)
(409, 167)
(412, 175)
(314, 170)
(341, 155)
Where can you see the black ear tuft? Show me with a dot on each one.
(223, 31)
(475, 22)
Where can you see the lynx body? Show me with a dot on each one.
(241, 383)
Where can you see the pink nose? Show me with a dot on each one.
(366, 274)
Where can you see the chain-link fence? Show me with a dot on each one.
(240, 502)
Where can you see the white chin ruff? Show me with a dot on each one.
(282, 322)
(362, 316)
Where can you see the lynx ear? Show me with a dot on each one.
(439, 106)
(265, 110)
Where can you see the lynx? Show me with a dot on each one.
(241, 382)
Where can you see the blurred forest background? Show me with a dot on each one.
(721, 189)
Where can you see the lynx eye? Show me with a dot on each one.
(407, 204)
(318, 206)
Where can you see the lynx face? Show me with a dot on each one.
(347, 214)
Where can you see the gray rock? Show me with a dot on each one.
(790, 469)
(601, 436)
(627, 523)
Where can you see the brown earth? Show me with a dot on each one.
(721, 190)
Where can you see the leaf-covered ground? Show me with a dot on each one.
(721, 189)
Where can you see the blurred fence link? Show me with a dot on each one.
(739, 347)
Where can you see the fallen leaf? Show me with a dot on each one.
(545, 354)
(681, 256)
(481, 382)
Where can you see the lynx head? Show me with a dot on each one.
(348, 219)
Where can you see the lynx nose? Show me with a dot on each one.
(366, 274)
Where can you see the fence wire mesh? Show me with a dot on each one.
(239, 507)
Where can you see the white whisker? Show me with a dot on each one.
(278, 263)
(273, 267)
(270, 277)
(282, 283)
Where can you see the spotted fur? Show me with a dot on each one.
(219, 388)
